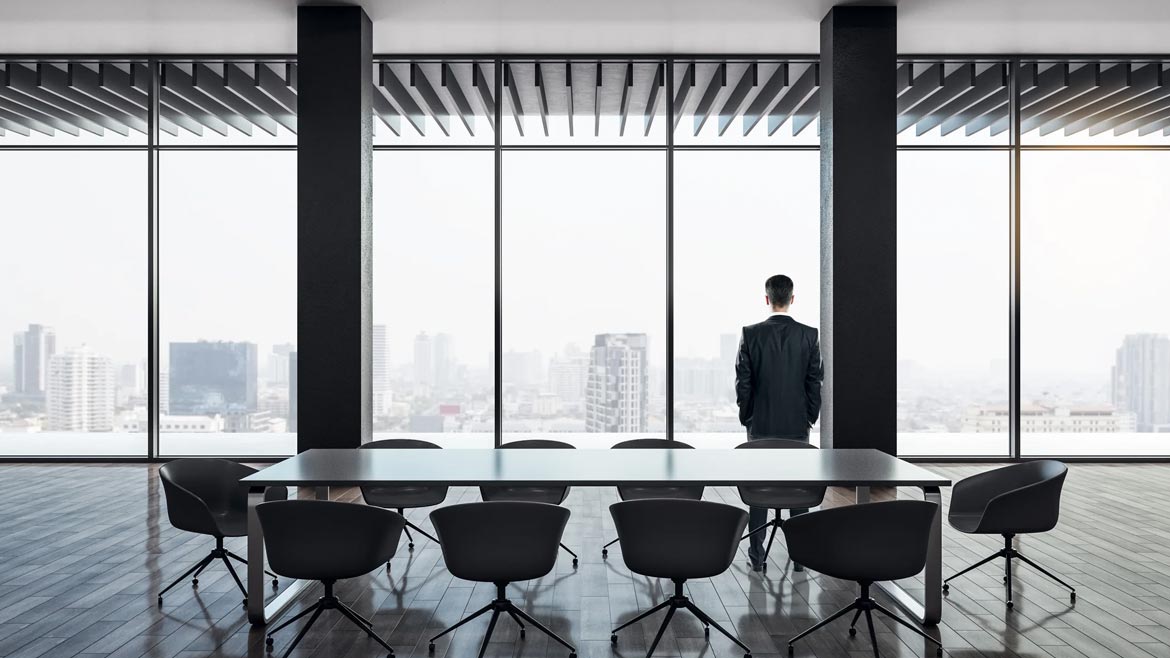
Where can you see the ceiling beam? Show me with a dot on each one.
(462, 105)
(386, 112)
(12, 126)
(941, 106)
(209, 81)
(541, 98)
(433, 105)
(735, 100)
(569, 93)
(921, 86)
(238, 82)
(627, 91)
(271, 84)
(85, 80)
(29, 123)
(707, 101)
(805, 114)
(1135, 120)
(127, 85)
(514, 96)
(16, 88)
(768, 95)
(805, 85)
(396, 93)
(597, 102)
(1109, 82)
(685, 85)
(1142, 81)
(56, 81)
(175, 80)
(479, 81)
(655, 93)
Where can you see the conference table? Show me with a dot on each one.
(857, 469)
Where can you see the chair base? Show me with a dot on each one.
(503, 606)
(864, 604)
(409, 538)
(775, 524)
(217, 553)
(327, 602)
(1009, 553)
(679, 602)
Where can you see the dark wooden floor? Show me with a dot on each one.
(85, 548)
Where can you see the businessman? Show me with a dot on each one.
(778, 375)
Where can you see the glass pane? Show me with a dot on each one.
(1095, 354)
(754, 102)
(617, 102)
(957, 103)
(953, 285)
(434, 291)
(726, 204)
(228, 102)
(434, 102)
(73, 103)
(73, 304)
(1095, 103)
(227, 302)
(584, 295)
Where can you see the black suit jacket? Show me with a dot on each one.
(778, 375)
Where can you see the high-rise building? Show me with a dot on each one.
(443, 363)
(618, 391)
(292, 392)
(424, 369)
(212, 378)
(1141, 380)
(380, 372)
(31, 351)
(80, 395)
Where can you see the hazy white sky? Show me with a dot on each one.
(584, 249)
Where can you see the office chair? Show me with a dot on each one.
(500, 542)
(778, 498)
(641, 492)
(205, 496)
(678, 539)
(402, 498)
(863, 543)
(327, 541)
(1009, 501)
(550, 495)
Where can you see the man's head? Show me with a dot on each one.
(778, 291)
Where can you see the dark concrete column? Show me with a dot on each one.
(334, 226)
(859, 267)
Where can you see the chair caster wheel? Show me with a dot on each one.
(946, 588)
(521, 633)
(275, 583)
(244, 603)
(269, 642)
(1005, 579)
(613, 638)
(194, 582)
(791, 651)
(747, 655)
(604, 553)
(410, 546)
(160, 601)
(574, 563)
(938, 652)
(1072, 597)
(431, 647)
(573, 654)
(852, 632)
(1010, 605)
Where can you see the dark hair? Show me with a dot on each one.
(779, 290)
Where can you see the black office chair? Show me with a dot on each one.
(328, 541)
(642, 492)
(864, 543)
(500, 543)
(403, 498)
(778, 498)
(205, 496)
(550, 495)
(678, 539)
(1009, 501)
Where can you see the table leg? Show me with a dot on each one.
(929, 611)
(861, 495)
(259, 613)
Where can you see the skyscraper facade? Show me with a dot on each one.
(568, 376)
(212, 378)
(1141, 380)
(380, 372)
(443, 362)
(80, 394)
(618, 391)
(424, 369)
(31, 351)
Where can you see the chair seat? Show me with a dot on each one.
(643, 493)
(550, 495)
(404, 497)
(231, 523)
(782, 497)
(967, 523)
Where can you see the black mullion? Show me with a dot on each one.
(498, 356)
(1014, 112)
(153, 365)
(669, 92)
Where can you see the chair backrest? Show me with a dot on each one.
(196, 489)
(552, 495)
(678, 538)
(637, 492)
(1020, 498)
(500, 542)
(326, 540)
(397, 497)
(782, 497)
(865, 543)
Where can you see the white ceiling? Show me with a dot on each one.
(503, 26)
